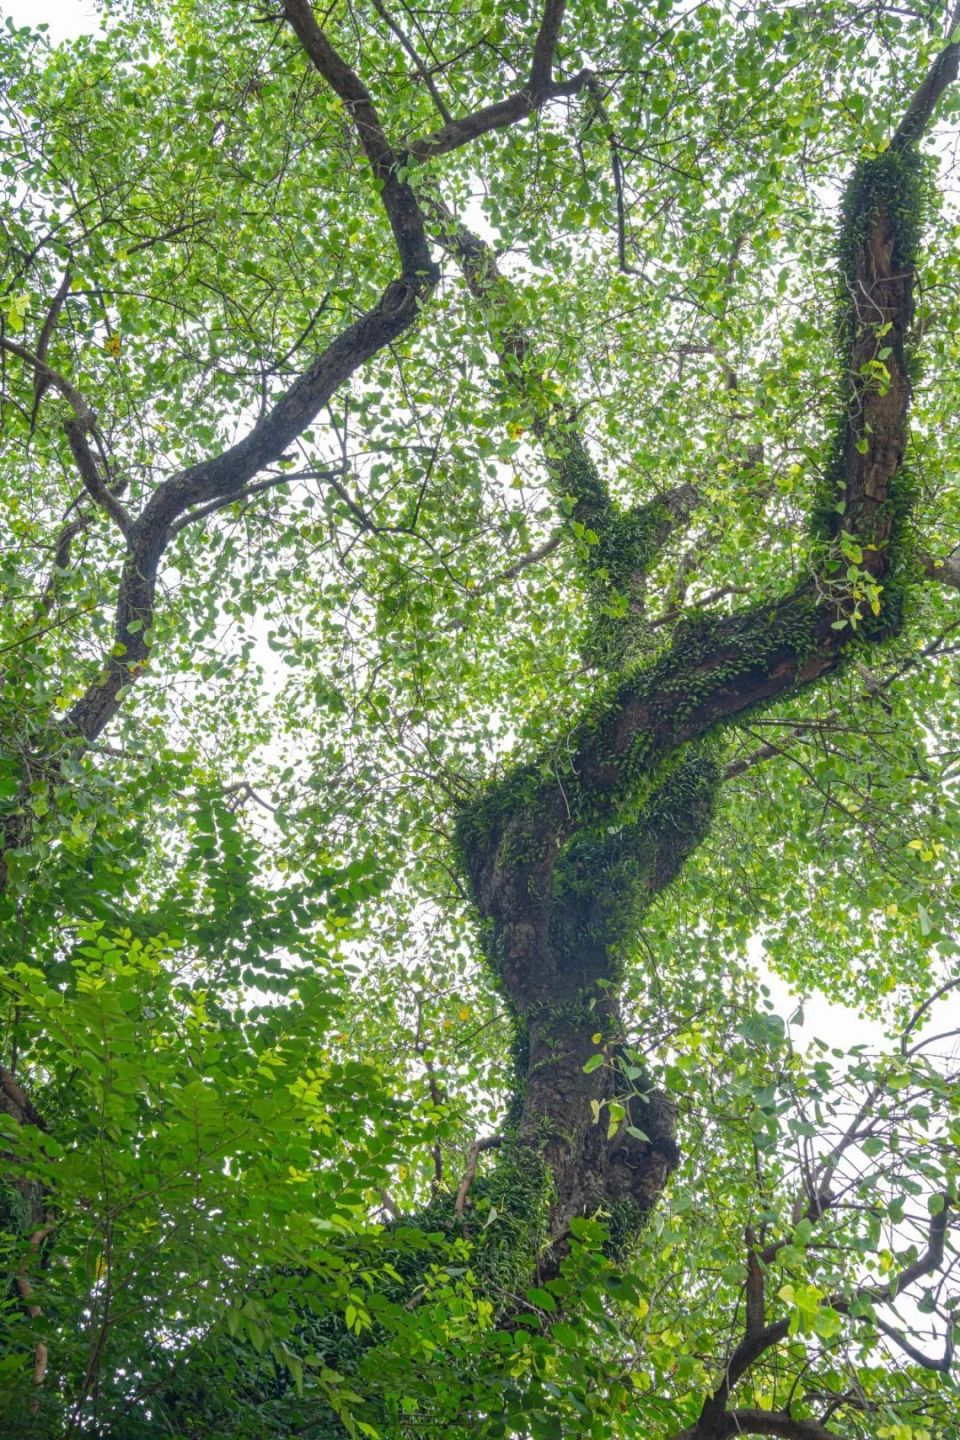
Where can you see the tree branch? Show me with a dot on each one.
(941, 1363)
(921, 1010)
(83, 411)
(624, 543)
(419, 66)
(226, 475)
(756, 1343)
(247, 494)
(398, 200)
(925, 1264)
(747, 1353)
(945, 571)
(538, 90)
(489, 1142)
(40, 380)
(540, 552)
(771, 1422)
(919, 113)
(93, 481)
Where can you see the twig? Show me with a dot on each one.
(411, 50)
(93, 481)
(247, 494)
(490, 1142)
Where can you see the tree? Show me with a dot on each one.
(383, 1049)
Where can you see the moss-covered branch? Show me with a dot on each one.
(616, 547)
(564, 851)
(717, 668)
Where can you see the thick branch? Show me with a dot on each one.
(545, 47)
(760, 1422)
(919, 113)
(493, 117)
(223, 478)
(747, 1353)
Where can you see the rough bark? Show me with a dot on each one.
(544, 847)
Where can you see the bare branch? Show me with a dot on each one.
(533, 558)
(490, 1142)
(35, 1311)
(676, 613)
(919, 113)
(399, 202)
(248, 493)
(921, 1010)
(493, 117)
(93, 481)
(81, 409)
(419, 66)
(755, 1301)
(925, 1264)
(223, 477)
(538, 90)
(41, 381)
(929, 1362)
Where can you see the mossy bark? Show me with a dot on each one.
(564, 852)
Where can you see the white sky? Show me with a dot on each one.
(65, 17)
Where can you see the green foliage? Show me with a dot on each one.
(456, 655)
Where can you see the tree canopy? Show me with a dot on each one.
(478, 570)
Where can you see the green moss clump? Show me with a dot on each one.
(897, 184)
(16, 1210)
(606, 878)
(520, 1189)
(625, 1222)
